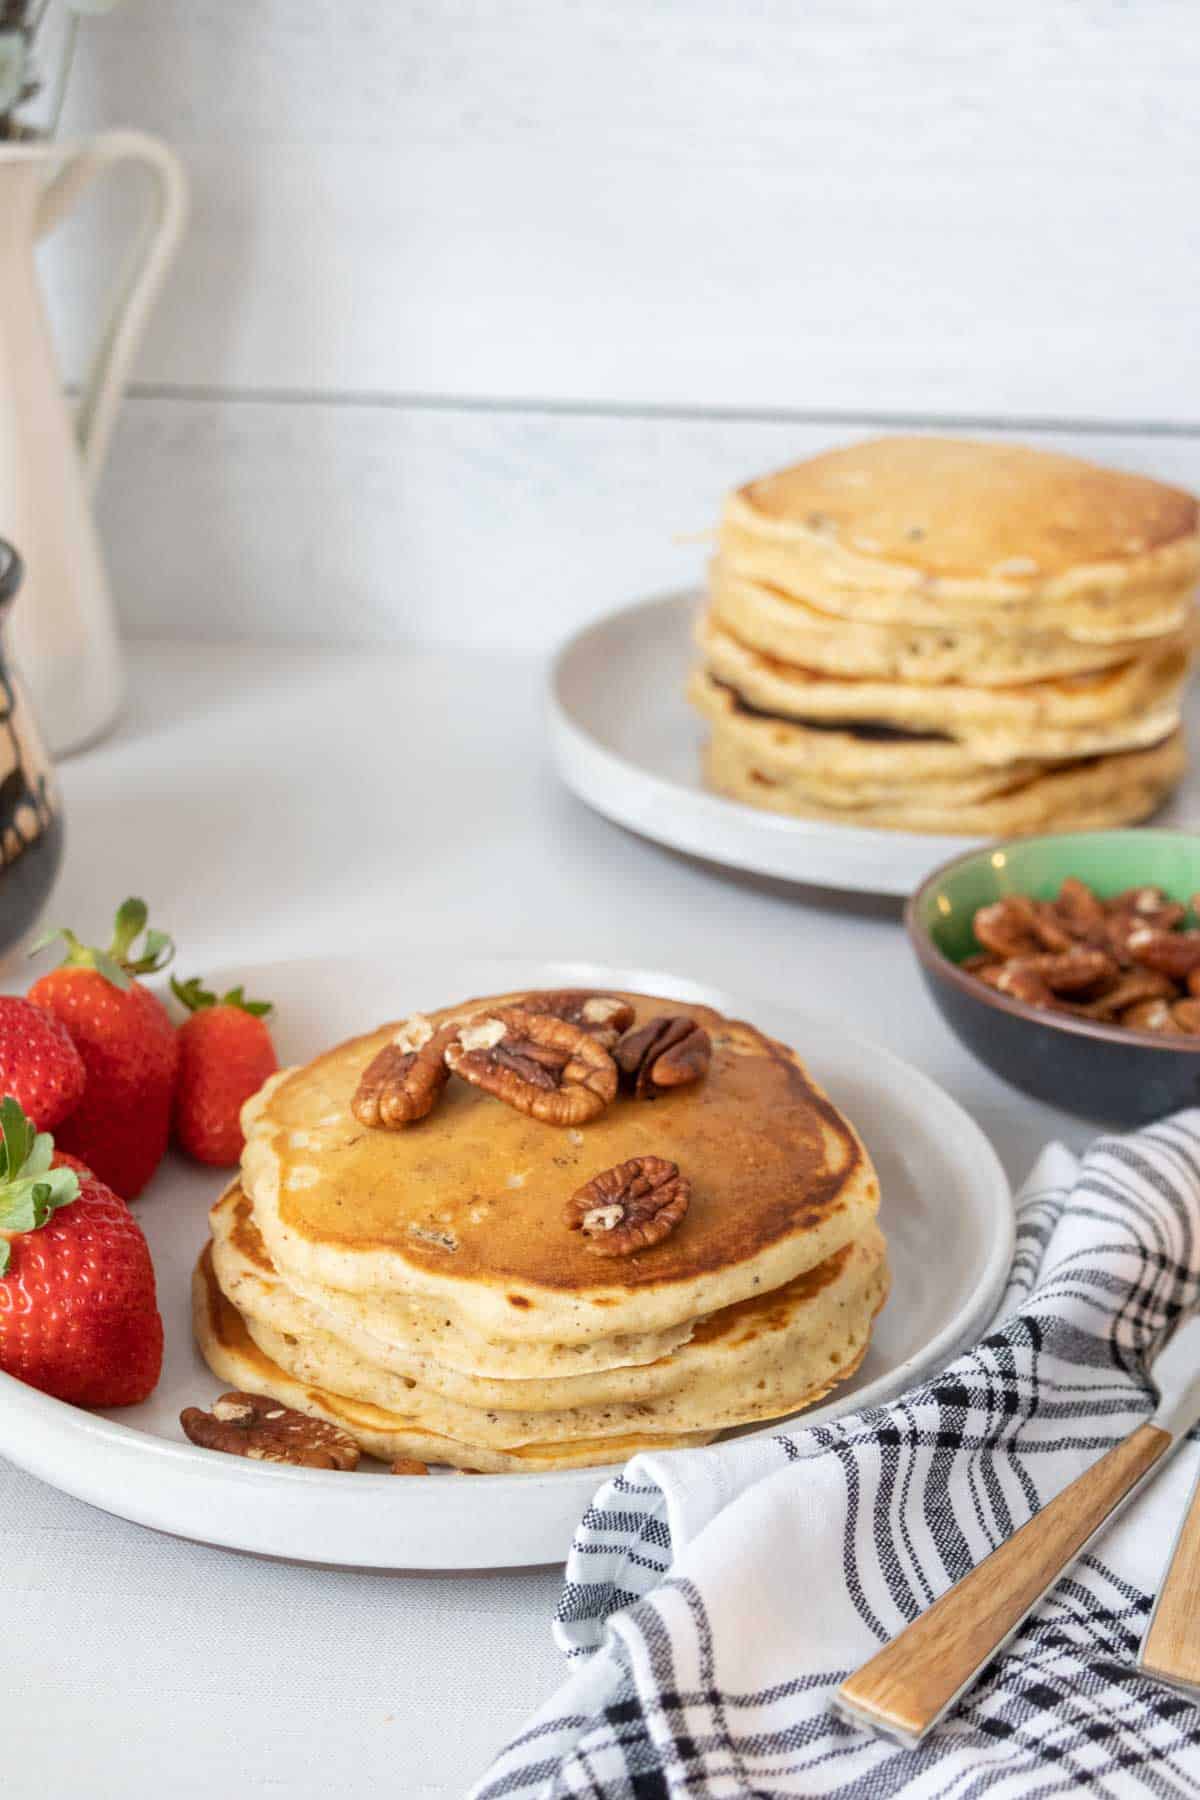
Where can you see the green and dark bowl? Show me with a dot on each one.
(1107, 1073)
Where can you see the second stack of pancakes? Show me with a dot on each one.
(422, 1288)
(940, 635)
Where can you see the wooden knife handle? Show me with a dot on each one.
(1171, 1647)
(912, 1681)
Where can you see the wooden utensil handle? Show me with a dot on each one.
(907, 1687)
(1171, 1647)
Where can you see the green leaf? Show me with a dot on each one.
(192, 994)
(258, 1009)
(130, 922)
(51, 937)
(118, 963)
(18, 1137)
(111, 970)
(26, 1205)
(30, 1190)
(39, 1159)
(157, 951)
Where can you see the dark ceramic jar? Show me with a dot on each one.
(30, 814)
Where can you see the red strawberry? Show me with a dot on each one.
(125, 1036)
(38, 1063)
(78, 1313)
(225, 1055)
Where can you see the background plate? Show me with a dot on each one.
(946, 1203)
(626, 741)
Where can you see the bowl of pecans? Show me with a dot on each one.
(1070, 964)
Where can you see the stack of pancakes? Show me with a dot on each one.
(420, 1288)
(939, 635)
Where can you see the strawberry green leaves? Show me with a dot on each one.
(30, 1190)
(195, 996)
(118, 963)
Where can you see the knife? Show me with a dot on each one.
(915, 1680)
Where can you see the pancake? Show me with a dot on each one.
(746, 759)
(844, 767)
(235, 1358)
(1124, 708)
(927, 531)
(756, 1359)
(797, 631)
(465, 1208)
(412, 1337)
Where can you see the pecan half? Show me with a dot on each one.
(1019, 981)
(251, 1425)
(1150, 1015)
(1174, 953)
(403, 1083)
(534, 1062)
(408, 1465)
(629, 1207)
(1186, 1014)
(1037, 979)
(1006, 927)
(1081, 911)
(669, 1052)
(603, 1016)
(1133, 987)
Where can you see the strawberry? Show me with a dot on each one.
(78, 1313)
(225, 1055)
(38, 1062)
(125, 1036)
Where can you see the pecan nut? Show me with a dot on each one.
(1133, 988)
(1122, 960)
(1081, 912)
(539, 1064)
(1019, 981)
(408, 1465)
(603, 1016)
(1173, 953)
(669, 1052)
(403, 1083)
(1150, 1015)
(254, 1426)
(630, 1207)
(1006, 927)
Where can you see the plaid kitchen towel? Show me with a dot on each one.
(715, 1598)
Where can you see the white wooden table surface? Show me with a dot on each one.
(276, 802)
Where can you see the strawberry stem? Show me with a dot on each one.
(195, 996)
(30, 1190)
(118, 963)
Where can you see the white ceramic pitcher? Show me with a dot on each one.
(63, 631)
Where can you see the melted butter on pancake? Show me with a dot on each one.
(768, 1155)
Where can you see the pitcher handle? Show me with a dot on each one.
(140, 280)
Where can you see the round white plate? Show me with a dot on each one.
(946, 1211)
(626, 741)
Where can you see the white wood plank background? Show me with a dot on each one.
(437, 525)
(480, 304)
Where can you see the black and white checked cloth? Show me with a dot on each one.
(715, 1598)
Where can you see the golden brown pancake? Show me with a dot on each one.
(234, 1357)
(798, 631)
(759, 1358)
(1123, 708)
(925, 530)
(762, 1358)
(467, 1206)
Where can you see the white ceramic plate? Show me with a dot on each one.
(626, 741)
(946, 1211)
